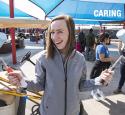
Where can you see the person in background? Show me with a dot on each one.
(60, 71)
(82, 40)
(103, 61)
(77, 44)
(37, 36)
(122, 64)
(90, 39)
(90, 42)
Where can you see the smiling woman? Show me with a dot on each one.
(60, 71)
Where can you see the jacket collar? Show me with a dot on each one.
(71, 55)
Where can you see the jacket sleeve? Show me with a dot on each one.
(38, 83)
(88, 84)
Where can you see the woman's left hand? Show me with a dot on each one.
(106, 76)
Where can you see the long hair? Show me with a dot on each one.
(71, 40)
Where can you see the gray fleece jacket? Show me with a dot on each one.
(61, 82)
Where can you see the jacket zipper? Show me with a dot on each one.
(65, 72)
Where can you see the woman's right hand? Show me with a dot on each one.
(15, 77)
(106, 76)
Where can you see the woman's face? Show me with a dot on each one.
(59, 34)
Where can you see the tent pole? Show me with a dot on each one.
(12, 32)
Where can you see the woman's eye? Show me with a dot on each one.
(52, 32)
(57, 32)
(60, 32)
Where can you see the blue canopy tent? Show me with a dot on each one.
(80, 10)
(25, 9)
(100, 12)
(5, 12)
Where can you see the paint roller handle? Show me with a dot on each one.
(113, 67)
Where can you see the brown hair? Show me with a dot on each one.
(71, 41)
(103, 36)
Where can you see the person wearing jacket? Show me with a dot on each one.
(60, 71)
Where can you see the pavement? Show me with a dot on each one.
(112, 105)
